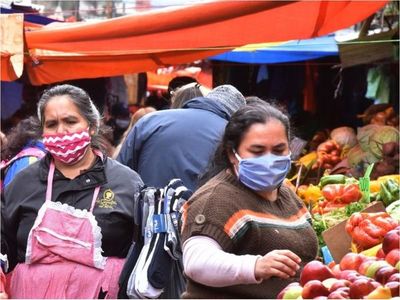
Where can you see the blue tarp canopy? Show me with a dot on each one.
(32, 18)
(297, 50)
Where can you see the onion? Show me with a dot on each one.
(344, 136)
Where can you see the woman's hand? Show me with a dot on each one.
(279, 263)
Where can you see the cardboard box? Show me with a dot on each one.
(337, 239)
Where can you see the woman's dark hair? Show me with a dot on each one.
(257, 111)
(27, 131)
(82, 101)
(185, 93)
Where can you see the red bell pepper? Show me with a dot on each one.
(342, 193)
(368, 229)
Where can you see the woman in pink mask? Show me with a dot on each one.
(68, 220)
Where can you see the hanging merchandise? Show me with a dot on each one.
(154, 264)
(378, 80)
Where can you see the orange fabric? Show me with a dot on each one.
(215, 24)
(147, 40)
(161, 81)
(52, 68)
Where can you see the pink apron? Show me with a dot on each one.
(63, 255)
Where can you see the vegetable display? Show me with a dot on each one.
(328, 154)
(368, 229)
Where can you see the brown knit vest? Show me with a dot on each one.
(244, 223)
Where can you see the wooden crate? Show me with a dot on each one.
(369, 49)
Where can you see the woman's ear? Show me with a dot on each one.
(92, 130)
(232, 157)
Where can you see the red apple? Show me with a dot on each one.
(336, 270)
(362, 269)
(393, 256)
(383, 274)
(360, 288)
(350, 275)
(394, 287)
(391, 240)
(340, 293)
(315, 270)
(380, 254)
(374, 267)
(339, 284)
(313, 289)
(292, 291)
(394, 277)
(375, 284)
(344, 289)
(351, 261)
(329, 282)
(379, 293)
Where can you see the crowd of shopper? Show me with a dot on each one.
(69, 209)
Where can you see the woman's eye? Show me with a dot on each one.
(278, 152)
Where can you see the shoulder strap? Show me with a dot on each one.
(31, 151)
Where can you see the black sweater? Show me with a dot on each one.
(113, 209)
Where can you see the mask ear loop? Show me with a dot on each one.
(236, 167)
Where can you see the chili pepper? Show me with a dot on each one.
(332, 179)
(393, 188)
(385, 194)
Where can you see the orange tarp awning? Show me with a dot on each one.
(148, 40)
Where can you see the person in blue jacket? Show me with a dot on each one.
(23, 147)
(179, 143)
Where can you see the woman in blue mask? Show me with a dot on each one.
(245, 234)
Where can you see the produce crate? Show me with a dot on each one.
(337, 239)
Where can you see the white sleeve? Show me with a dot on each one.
(205, 262)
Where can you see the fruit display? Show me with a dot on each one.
(356, 276)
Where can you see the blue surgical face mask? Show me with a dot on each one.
(263, 173)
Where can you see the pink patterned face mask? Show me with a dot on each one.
(68, 148)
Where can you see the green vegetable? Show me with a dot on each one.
(386, 196)
(394, 210)
(327, 220)
(364, 134)
(351, 180)
(390, 191)
(393, 187)
(332, 179)
(385, 134)
(355, 207)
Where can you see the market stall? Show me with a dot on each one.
(143, 42)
